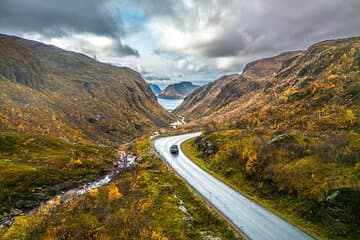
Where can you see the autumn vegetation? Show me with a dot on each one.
(146, 202)
(286, 133)
(34, 168)
(292, 176)
(47, 90)
(63, 116)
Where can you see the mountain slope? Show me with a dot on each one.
(47, 90)
(286, 133)
(270, 90)
(178, 90)
(155, 88)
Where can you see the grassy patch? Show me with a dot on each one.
(297, 207)
(144, 203)
(36, 167)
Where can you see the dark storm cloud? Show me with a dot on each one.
(114, 49)
(258, 27)
(224, 46)
(158, 78)
(285, 25)
(223, 34)
(275, 26)
(52, 18)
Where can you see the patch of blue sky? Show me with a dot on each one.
(132, 15)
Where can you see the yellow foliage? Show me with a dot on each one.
(114, 193)
(76, 161)
(350, 116)
(352, 51)
(51, 233)
(23, 223)
(94, 192)
(332, 76)
(105, 237)
(347, 118)
(21, 127)
(77, 135)
(157, 236)
(251, 166)
(346, 61)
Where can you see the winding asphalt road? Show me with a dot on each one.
(254, 221)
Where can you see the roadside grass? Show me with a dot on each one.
(146, 202)
(33, 166)
(288, 206)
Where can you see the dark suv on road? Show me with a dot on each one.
(174, 149)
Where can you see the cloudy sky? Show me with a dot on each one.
(175, 40)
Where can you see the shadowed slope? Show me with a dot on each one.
(47, 90)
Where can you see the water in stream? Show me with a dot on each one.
(124, 161)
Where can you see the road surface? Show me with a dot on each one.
(254, 221)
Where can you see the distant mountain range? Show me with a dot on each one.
(47, 90)
(178, 90)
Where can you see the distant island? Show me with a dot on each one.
(155, 88)
(178, 90)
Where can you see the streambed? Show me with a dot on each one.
(124, 161)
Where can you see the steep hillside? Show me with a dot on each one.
(316, 88)
(264, 70)
(215, 95)
(178, 90)
(286, 133)
(47, 90)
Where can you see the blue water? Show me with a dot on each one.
(169, 104)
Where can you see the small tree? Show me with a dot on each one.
(252, 165)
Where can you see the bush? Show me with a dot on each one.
(337, 148)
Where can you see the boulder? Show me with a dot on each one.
(26, 204)
(41, 196)
(16, 212)
(282, 138)
(62, 186)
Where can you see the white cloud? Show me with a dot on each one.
(190, 65)
(226, 63)
(252, 29)
(196, 28)
(87, 43)
(200, 39)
